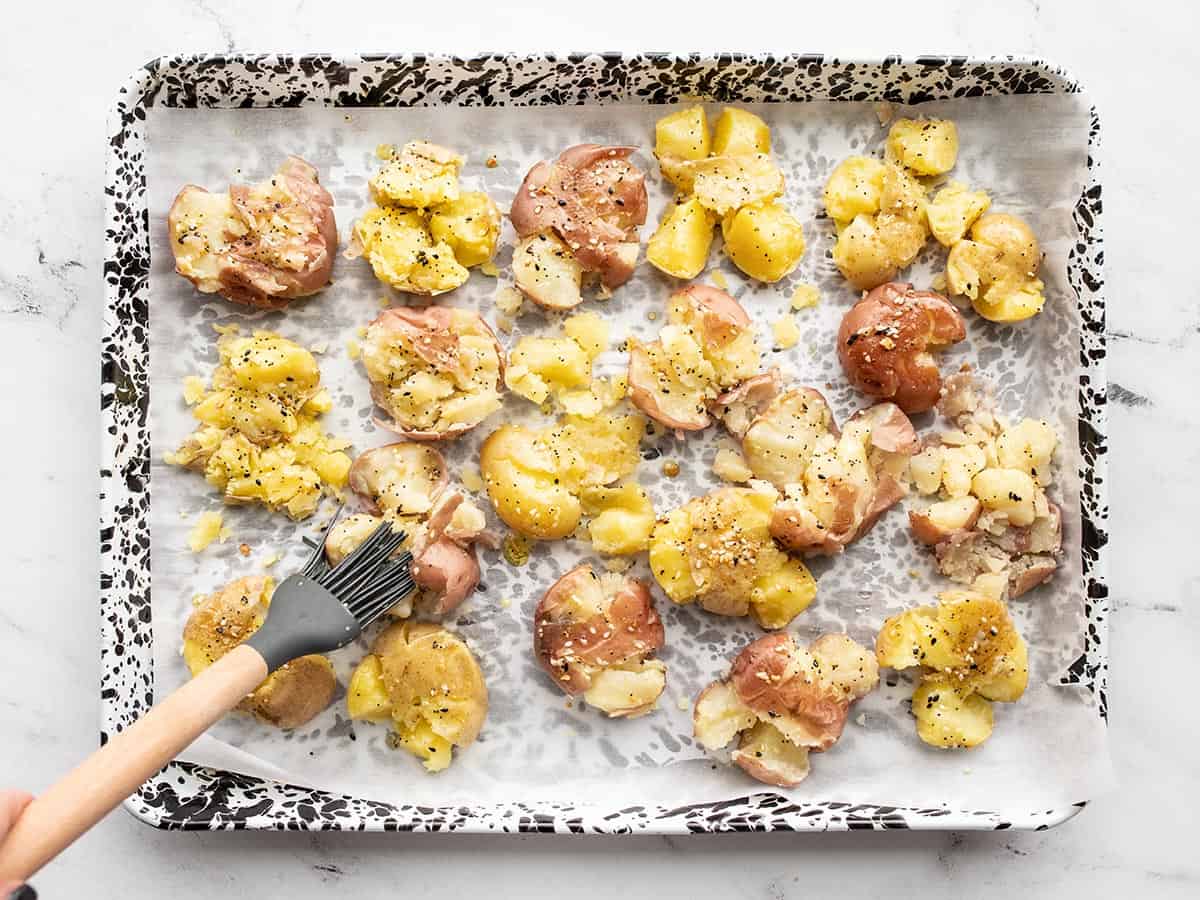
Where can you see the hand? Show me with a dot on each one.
(12, 804)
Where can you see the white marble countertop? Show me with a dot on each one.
(60, 64)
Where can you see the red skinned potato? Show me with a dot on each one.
(593, 199)
(886, 340)
(705, 349)
(436, 371)
(847, 484)
(596, 635)
(781, 702)
(401, 479)
(263, 245)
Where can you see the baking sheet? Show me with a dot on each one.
(1048, 750)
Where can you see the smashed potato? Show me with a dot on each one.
(535, 478)
(424, 232)
(923, 146)
(407, 485)
(717, 551)
(621, 519)
(888, 227)
(885, 343)
(436, 371)
(261, 246)
(953, 210)
(427, 682)
(596, 635)
(997, 269)
(578, 215)
(705, 348)
(970, 654)
(259, 439)
(543, 367)
(728, 177)
(290, 696)
(781, 702)
(990, 516)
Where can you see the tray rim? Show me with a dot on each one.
(184, 796)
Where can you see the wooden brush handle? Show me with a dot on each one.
(98, 785)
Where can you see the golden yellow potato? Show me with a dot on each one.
(764, 240)
(680, 245)
(402, 253)
(547, 272)
(622, 519)
(290, 696)
(872, 249)
(259, 440)
(680, 137)
(854, 189)
(949, 716)
(953, 210)
(726, 183)
(534, 477)
(1010, 491)
(539, 367)
(428, 683)
(717, 550)
(1029, 446)
(740, 133)
(997, 269)
(418, 175)
(925, 146)
(469, 226)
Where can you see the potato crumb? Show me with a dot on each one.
(319, 347)
(471, 480)
(805, 296)
(353, 349)
(270, 560)
(684, 703)
(385, 151)
(516, 549)
(505, 602)
(787, 334)
(193, 389)
(509, 300)
(489, 269)
(226, 329)
(729, 465)
(719, 279)
(208, 528)
(362, 331)
(618, 564)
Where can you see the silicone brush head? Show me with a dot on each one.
(323, 607)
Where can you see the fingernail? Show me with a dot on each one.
(24, 892)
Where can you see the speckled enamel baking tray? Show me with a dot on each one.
(185, 796)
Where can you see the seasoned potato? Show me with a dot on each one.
(877, 243)
(541, 367)
(782, 701)
(764, 240)
(680, 245)
(469, 226)
(679, 138)
(534, 478)
(425, 680)
(592, 198)
(717, 551)
(406, 484)
(740, 133)
(622, 519)
(727, 183)
(596, 635)
(290, 696)
(924, 146)
(435, 371)
(991, 517)
(706, 347)
(260, 440)
(260, 246)
(971, 654)
(424, 232)
(785, 433)
(997, 269)
(547, 272)
(885, 342)
(854, 189)
(953, 210)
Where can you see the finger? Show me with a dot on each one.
(12, 804)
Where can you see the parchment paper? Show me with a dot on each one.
(1047, 750)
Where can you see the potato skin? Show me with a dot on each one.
(241, 274)
(884, 342)
(290, 696)
(570, 647)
